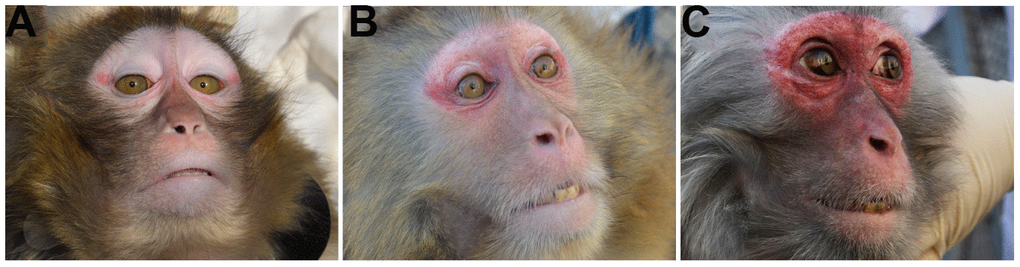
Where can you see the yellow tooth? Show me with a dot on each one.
(875, 207)
(561, 195)
(572, 192)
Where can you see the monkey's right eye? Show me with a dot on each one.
(819, 61)
(133, 84)
(471, 86)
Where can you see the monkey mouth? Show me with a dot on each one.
(564, 192)
(564, 209)
(875, 205)
(189, 172)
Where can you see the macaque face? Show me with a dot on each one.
(506, 94)
(173, 86)
(850, 75)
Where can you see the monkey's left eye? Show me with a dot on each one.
(819, 61)
(544, 67)
(888, 66)
(206, 84)
(472, 86)
(132, 84)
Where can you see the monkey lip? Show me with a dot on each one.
(569, 208)
(871, 221)
(563, 193)
(189, 172)
(188, 192)
(876, 206)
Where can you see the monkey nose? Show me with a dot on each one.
(878, 144)
(886, 143)
(184, 120)
(544, 139)
(554, 132)
(190, 128)
(184, 130)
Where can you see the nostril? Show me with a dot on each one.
(180, 129)
(544, 139)
(879, 144)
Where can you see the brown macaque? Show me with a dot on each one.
(811, 133)
(506, 133)
(140, 134)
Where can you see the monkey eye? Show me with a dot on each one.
(820, 61)
(133, 84)
(888, 66)
(206, 84)
(544, 67)
(472, 86)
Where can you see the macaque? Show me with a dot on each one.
(506, 133)
(140, 134)
(810, 133)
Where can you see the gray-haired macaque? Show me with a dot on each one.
(506, 133)
(141, 135)
(810, 133)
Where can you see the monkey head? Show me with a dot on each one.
(828, 154)
(493, 133)
(145, 136)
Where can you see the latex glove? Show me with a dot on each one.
(985, 140)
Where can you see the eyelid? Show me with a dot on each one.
(539, 51)
(463, 70)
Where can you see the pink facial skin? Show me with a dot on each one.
(522, 119)
(186, 177)
(857, 42)
(852, 111)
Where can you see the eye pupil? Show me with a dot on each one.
(819, 62)
(206, 84)
(544, 67)
(132, 84)
(888, 66)
(471, 86)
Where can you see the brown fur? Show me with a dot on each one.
(66, 151)
(403, 177)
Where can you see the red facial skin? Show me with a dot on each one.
(852, 110)
(520, 120)
(183, 142)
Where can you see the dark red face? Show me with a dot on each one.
(849, 76)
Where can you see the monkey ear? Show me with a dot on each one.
(310, 240)
(455, 230)
(36, 234)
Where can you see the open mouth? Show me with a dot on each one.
(876, 206)
(188, 172)
(562, 193)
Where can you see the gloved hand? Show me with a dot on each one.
(985, 142)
